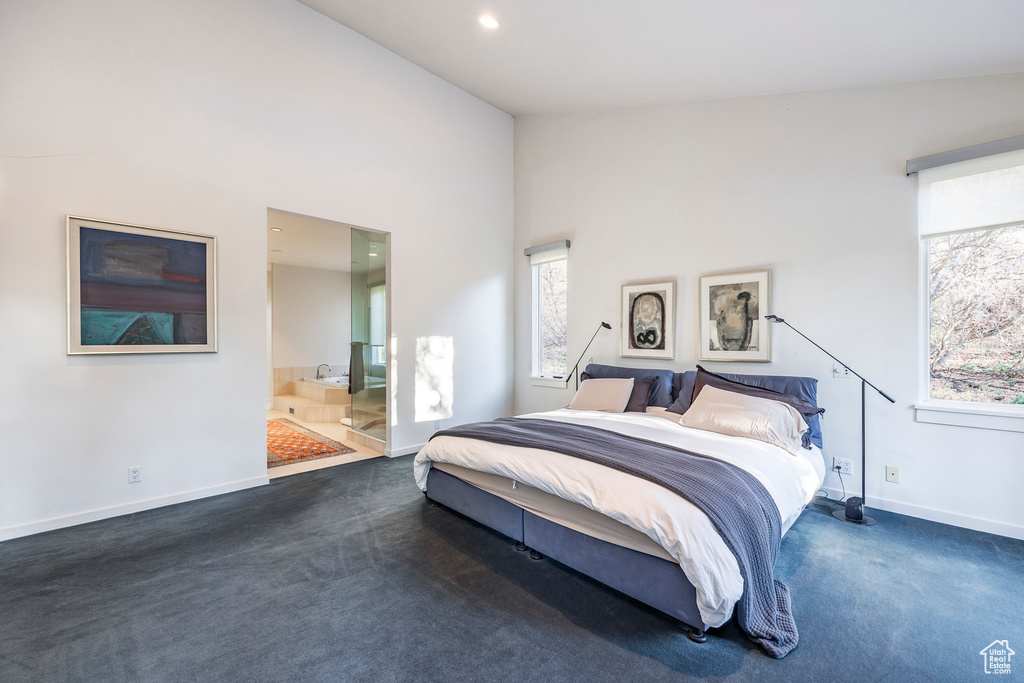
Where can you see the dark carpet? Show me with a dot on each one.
(347, 573)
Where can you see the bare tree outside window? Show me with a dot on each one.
(553, 317)
(976, 291)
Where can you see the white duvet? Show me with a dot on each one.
(673, 522)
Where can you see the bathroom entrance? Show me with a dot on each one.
(327, 322)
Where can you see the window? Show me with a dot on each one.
(550, 310)
(378, 324)
(975, 296)
(971, 217)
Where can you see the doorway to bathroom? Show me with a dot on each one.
(327, 324)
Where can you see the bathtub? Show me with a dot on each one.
(331, 381)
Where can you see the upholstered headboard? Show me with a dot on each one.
(805, 388)
(669, 386)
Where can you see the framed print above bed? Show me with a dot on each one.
(732, 326)
(135, 289)
(648, 321)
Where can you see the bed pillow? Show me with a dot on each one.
(641, 396)
(607, 395)
(753, 417)
(704, 378)
(805, 388)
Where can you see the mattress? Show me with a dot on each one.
(558, 510)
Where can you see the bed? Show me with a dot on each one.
(617, 526)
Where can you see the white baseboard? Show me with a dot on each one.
(406, 450)
(7, 533)
(942, 516)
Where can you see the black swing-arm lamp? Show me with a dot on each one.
(576, 368)
(854, 512)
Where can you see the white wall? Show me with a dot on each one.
(312, 315)
(198, 116)
(811, 185)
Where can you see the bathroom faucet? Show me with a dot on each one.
(318, 375)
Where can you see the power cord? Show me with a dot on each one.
(842, 501)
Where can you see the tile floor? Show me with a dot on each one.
(332, 430)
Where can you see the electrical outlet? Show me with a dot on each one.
(437, 425)
(839, 372)
(892, 474)
(591, 361)
(843, 465)
(134, 474)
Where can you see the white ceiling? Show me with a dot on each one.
(573, 55)
(308, 242)
(319, 243)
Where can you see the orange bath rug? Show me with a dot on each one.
(288, 442)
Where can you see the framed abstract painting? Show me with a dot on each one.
(648, 321)
(732, 326)
(135, 289)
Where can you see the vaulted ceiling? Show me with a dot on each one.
(571, 55)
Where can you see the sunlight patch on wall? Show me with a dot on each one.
(394, 381)
(435, 378)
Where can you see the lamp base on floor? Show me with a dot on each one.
(863, 521)
(854, 512)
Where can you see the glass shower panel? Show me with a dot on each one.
(367, 371)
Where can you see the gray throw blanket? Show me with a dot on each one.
(738, 505)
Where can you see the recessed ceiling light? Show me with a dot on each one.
(276, 229)
(487, 21)
(276, 250)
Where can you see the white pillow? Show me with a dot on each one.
(732, 414)
(608, 395)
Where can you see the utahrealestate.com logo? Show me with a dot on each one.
(997, 657)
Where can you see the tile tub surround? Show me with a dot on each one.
(367, 442)
(284, 376)
(320, 392)
(298, 395)
(310, 409)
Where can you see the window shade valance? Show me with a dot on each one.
(985, 149)
(985, 192)
(545, 253)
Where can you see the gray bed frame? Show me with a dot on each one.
(653, 581)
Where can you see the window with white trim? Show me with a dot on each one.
(378, 324)
(549, 343)
(971, 217)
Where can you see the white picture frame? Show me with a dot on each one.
(648, 321)
(138, 289)
(732, 324)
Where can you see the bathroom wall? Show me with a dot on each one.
(312, 319)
